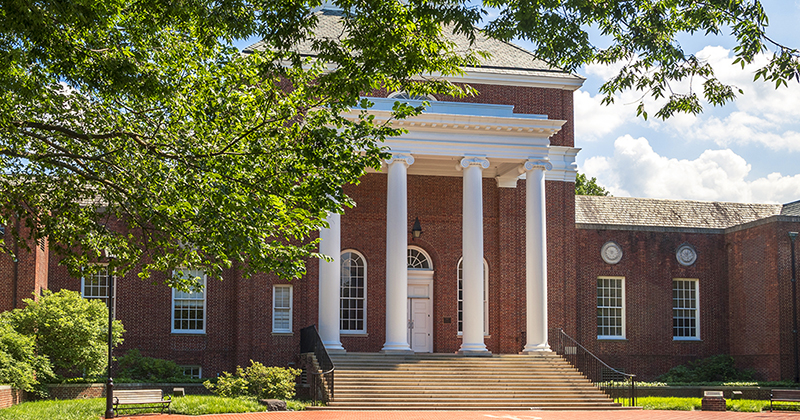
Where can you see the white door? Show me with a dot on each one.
(420, 313)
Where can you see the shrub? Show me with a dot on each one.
(20, 366)
(70, 330)
(134, 366)
(717, 368)
(258, 381)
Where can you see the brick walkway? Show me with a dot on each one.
(480, 415)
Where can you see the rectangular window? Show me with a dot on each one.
(610, 307)
(282, 308)
(96, 286)
(192, 371)
(685, 310)
(189, 308)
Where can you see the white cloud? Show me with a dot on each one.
(637, 170)
(594, 120)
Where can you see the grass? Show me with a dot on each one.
(688, 404)
(92, 409)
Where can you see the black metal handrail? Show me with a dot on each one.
(615, 383)
(310, 342)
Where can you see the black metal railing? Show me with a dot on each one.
(322, 383)
(619, 385)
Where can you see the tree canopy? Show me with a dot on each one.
(588, 186)
(136, 129)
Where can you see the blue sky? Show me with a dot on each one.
(746, 151)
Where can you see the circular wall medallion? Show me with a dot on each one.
(686, 255)
(611, 252)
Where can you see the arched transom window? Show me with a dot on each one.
(353, 298)
(461, 297)
(418, 259)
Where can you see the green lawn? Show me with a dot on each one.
(91, 409)
(687, 404)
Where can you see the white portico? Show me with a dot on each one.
(471, 141)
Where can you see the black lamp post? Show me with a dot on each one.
(793, 236)
(109, 381)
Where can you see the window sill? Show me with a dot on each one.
(607, 339)
(282, 334)
(188, 333)
(347, 334)
(686, 339)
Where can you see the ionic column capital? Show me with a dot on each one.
(402, 157)
(466, 162)
(541, 164)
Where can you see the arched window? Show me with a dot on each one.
(353, 296)
(461, 297)
(407, 96)
(418, 259)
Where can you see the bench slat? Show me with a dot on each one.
(132, 399)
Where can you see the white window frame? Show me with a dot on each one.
(459, 297)
(622, 309)
(425, 254)
(696, 310)
(191, 368)
(363, 298)
(109, 282)
(276, 308)
(190, 297)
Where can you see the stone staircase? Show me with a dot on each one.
(374, 381)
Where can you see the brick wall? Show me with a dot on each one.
(20, 279)
(10, 396)
(649, 265)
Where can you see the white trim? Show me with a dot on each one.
(204, 306)
(275, 308)
(485, 296)
(696, 337)
(571, 83)
(109, 282)
(425, 254)
(362, 331)
(198, 367)
(623, 308)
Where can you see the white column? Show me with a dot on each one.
(397, 254)
(535, 256)
(330, 284)
(472, 249)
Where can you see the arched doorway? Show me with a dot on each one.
(420, 300)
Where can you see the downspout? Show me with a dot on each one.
(16, 265)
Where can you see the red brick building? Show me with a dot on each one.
(645, 284)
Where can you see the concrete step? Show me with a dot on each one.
(450, 382)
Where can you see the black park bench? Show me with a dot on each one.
(786, 395)
(132, 399)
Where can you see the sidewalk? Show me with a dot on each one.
(481, 415)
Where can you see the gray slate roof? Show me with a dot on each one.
(791, 209)
(505, 58)
(670, 213)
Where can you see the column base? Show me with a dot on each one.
(538, 348)
(474, 349)
(396, 348)
(334, 347)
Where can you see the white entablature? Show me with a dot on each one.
(447, 131)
